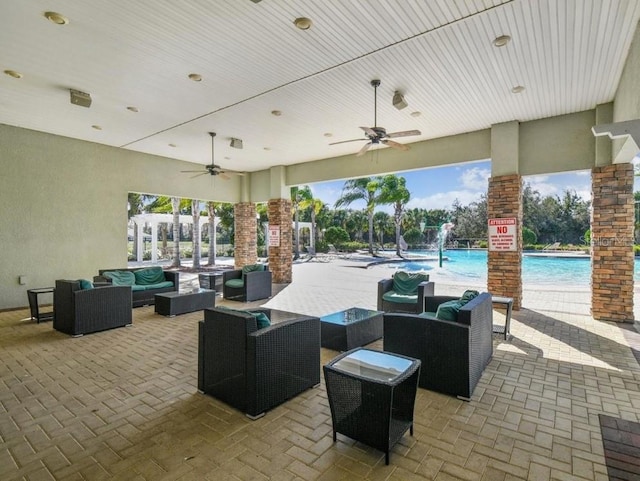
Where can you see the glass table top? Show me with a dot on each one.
(349, 316)
(375, 365)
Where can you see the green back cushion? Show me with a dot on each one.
(85, 284)
(252, 268)
(121, 278)
(149, 275)
(448, 311)
(406, 283)
(262, 319)
(468, 295)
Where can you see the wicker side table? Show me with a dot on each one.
(34, 307)
(372, 395)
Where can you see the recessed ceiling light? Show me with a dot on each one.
(131, 108)
(501, 41)
(277, 113)
(303, 23)
(196, 77)
(227, 158)
(328, 134)
(13, 73)
(172, 145)
(266, 148)
(416, 114)
(517, 89)
(56, 18)
(96, 127)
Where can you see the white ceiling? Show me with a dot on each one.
(568, 54)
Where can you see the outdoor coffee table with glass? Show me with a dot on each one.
(180, 302)
(353, 327)
(372, 396)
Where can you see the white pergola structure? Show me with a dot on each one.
(153, 220)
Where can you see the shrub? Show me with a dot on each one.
(336, 235)
(528, 236)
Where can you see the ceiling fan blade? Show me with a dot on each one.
(395, 145)
(198, 175)
(369, 131)
(405, 133)
(345, 141)
(364, 148)
(223, 175)
(191, 171)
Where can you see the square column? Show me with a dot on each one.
(505, 267)
(612, 218)
(246, 234)
(280, 256)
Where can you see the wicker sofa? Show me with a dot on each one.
(142, 294)
(453, 353)
(253, 369)
(80, 311)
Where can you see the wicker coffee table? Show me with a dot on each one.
(353, 327)
(180, 302)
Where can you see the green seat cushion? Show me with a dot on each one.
(157, 285)
(234, 283)
(393, 296)
(406, 283)
(85, 284)
(448, 311)
(121, 278)
(149, 275)
(136, 288)
(427, 314)
(252, 268)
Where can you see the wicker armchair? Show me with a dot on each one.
(413, 304)
(82, 311)
(453, 353)
(243, 285)
(253, 369)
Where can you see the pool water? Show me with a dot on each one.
(535, 270)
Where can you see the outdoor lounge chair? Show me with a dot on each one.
(454, 353)
(404, 292)
(253, 369)
(79, 311)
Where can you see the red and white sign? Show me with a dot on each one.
(274, 236)
(502, 234)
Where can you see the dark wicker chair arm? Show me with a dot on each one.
(232, 274)
(101, 280)
(173, 276)
(384, 285)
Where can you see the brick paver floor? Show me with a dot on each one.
(123, 404)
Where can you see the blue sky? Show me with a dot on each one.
(437, 188)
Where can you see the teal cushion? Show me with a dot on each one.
(448, 311)
(407, 283)
(149, 275)
(252, 268)
(468, 295)
(235, 283)
(121, 278)
(136, 288)
(159, 285)
(393, 296)
(85, 284)
(262, 319)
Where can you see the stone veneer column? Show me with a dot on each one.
(280, 257)
(246, 234)
(505, 268)
(612, 217)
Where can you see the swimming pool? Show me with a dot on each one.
(535, 270)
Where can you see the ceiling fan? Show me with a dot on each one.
(378, 135)
(212, 168)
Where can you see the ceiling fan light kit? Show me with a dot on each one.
(377, 134)
(398, 101)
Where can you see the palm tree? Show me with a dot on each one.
(393, 191)
(211, 208)
(367, 189)
(195, 215)
(175, 208)
(315, 206)
(295, 204)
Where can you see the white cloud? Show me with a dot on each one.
(444, 200)
(475, 178)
